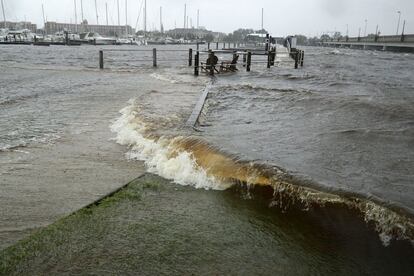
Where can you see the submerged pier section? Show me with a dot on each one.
(206, 60)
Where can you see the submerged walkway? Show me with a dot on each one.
(153, 227)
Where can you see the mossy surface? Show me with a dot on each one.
(77, 233)
(155, 227)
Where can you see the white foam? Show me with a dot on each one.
(160, 155)
(163, 78)
(335, 52)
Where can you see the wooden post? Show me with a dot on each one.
(208, 46)
(211, 58)
(249, 61)
(101, 60)
(267, 43)
(269, 57)
(154, 57)
(244, 60)
(296, 59)
(216, 46)
(190, 57)
(234, 55)
(196, 63)
(302, 58)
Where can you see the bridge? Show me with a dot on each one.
(397, 43)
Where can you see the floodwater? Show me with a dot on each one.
(336, 135)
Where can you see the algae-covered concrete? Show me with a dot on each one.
(155, 227)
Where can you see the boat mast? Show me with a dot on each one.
(185, 15)
(126, 18)
(82, 10)
(82, 26)
(198, 19)
(76, 18)
(4, 14)
(139, 15)
(119, 20)
(44, 20)
(106, 7)
(161, 27)
(145, 17)
(262, 17)
(96, 10)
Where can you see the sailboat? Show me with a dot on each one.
(96, 39)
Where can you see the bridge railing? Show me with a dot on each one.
(379, 39)
(389, 38)
(409, 38)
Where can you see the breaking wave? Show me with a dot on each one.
(160, 154)
(191, 161)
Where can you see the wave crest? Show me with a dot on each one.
(191, 161)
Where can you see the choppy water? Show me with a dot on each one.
(338, 132)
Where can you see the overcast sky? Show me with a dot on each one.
(281, 18)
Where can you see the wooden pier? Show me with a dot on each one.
(207, 61)
(216, 67)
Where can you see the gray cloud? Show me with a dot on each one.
(335, 8)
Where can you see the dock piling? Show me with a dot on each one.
(269, 59)
(273, 56)
(190, 57)
(244, 60)
(302, 58)
(249, 61)
(101, 60)
(196, 63)
(217, 45)
(267, 43)
(154, 57)
(211, 65)
(296, 59)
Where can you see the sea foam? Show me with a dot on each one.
(160, 155)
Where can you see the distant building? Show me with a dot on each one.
(105, 30)
(15, 26)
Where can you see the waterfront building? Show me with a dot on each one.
(15, 26)
(105, 30)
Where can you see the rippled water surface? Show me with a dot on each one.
(337, 133)
(346, 120)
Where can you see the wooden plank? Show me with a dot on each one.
(192, 121)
